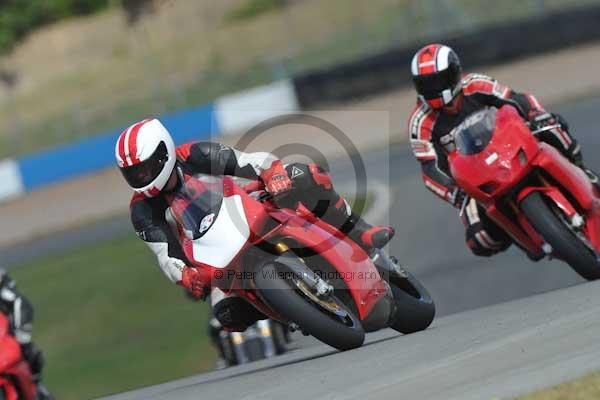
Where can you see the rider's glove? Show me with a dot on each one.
(196, 281)
(276, 179)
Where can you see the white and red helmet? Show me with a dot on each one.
(146, 156)
(437, 74)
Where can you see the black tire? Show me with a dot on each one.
(293, 306)
(564, 242)
(415, 309)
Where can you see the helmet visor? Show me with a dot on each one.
(143, 173)
(431, 86)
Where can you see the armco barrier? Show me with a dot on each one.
(502, 43)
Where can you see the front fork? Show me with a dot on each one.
(571, 217)
(319, 290)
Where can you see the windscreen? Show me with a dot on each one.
(196, 205)
(474, 134)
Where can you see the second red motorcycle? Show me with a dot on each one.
(528, 188)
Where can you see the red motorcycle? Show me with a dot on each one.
(15, 376)
(544, 202)
(292, 266)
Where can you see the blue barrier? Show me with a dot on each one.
(92, 154)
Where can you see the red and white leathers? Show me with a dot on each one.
(427, 126)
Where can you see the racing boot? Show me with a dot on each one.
(364, 234)
(369, 236)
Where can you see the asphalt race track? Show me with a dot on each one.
(502, 350)
(486, 353)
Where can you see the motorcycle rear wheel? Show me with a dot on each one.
(283, 296)
(563, 240)
(415, 309)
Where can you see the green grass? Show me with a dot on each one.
(109, 321)
(586, 388)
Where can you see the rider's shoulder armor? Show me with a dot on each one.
(421, 121)
(483, 84)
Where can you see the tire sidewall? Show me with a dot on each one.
(283, 299)
(563, 241)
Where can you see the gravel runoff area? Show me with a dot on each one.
(552, 77)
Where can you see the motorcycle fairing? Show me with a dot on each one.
(351, 262)
(576, 183)
(225, 238)
(502, 163)
(239, 223)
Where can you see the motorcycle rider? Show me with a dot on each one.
(445, 98)
(153, 167)
(19, 311)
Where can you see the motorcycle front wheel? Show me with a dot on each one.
(546, 220)
(327, 319)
